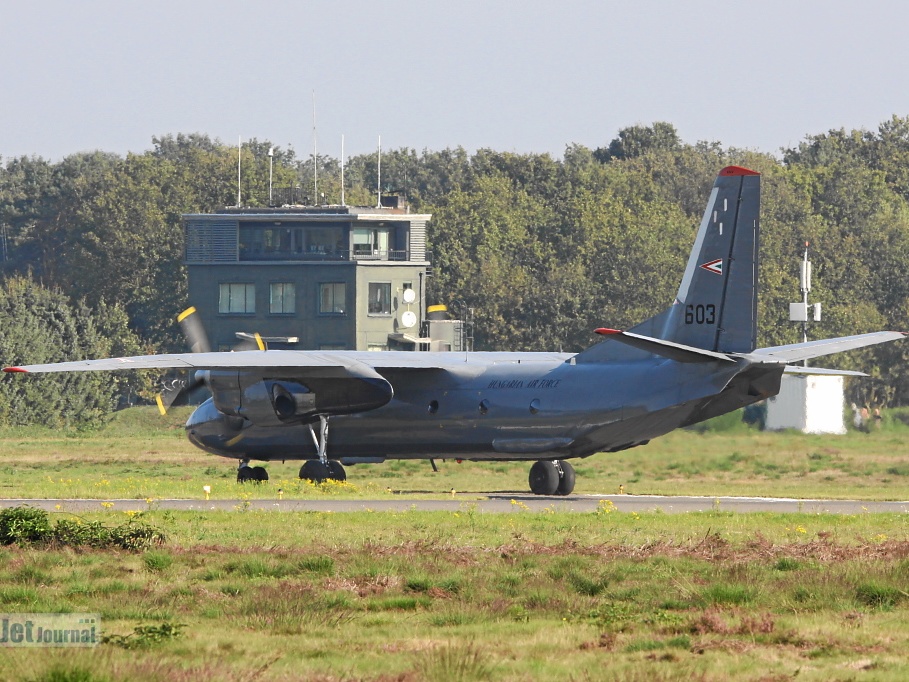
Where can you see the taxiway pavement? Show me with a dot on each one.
(497, 502)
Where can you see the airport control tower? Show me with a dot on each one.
(311, 277)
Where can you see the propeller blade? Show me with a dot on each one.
(194, 331)
(174, 389)
(197, 340)
(254, 343)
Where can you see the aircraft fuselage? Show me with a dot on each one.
(492, 407)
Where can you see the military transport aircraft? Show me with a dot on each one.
(695, 360)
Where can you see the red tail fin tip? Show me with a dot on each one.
(737, 170)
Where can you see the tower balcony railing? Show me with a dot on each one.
(316, 255)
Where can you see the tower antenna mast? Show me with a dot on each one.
(315, 154)
(342, 170)
(379, 176)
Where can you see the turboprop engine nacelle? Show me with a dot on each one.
(278, 402)
(292, 402)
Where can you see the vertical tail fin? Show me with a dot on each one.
(716, 306)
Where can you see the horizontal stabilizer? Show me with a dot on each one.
(815, 349)
(666, 349)
(823, 371)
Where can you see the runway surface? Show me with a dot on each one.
(497, 502)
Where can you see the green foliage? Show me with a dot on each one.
(157, 562)
(787, 564)
(136, 536)
(727, 594)
(320, 565)
(39, 325)
(65, 673)
(146, 636)
(639, 140)
(24, 525)
(877, 595)
(79, 533)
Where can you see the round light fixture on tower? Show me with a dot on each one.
(409, 295)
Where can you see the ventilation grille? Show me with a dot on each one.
(211, 242)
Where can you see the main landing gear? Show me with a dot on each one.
(247, 473)
(315, 471)
(322, 469)
(551, 477)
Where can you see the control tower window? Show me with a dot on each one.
(237, 298)
(379, 298)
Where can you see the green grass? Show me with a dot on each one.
(439, 595)
(139, 455)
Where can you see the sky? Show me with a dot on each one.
(523, 76)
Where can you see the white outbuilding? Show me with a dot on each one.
(809, 403)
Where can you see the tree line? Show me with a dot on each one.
(542, 249)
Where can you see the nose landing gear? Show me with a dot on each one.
(552, 477)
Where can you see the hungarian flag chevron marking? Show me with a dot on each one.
(714, 266)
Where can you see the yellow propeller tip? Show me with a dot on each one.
(186, 313)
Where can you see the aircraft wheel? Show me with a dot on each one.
(245, 474)
(260, 474)
(336, 470)
(313, 470)
(544, 478)
(566, 481)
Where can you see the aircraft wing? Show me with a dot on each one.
(293, 361)
(814, 349)
(190, 361)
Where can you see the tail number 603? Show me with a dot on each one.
(700, 314)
